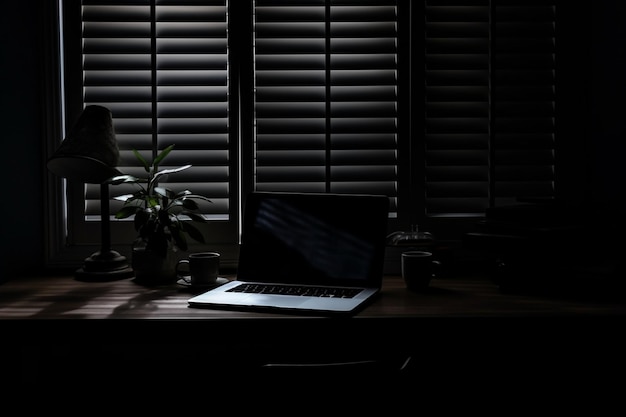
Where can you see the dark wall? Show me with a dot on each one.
(21, 195)
(608, 107)
(596, 117)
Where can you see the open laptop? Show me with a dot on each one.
(306, 252)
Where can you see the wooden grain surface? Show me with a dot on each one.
(63, 297)
(63, 331)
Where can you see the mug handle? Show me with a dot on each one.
(436, 268)
(187, 276)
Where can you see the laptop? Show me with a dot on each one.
(320, 253)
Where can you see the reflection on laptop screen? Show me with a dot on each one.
(291, 240)
(330, 249)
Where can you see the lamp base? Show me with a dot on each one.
(104, 266)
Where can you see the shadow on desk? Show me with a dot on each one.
(461, 333)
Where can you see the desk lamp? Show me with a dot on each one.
(89, 154)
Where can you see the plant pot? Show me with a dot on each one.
(152, 269)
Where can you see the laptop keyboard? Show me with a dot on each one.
(297, 290)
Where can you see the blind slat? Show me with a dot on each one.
(350, 120)
(326, 96)
(489, 101)
(174, 94)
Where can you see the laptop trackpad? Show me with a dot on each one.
(242, 299)
(287, 301)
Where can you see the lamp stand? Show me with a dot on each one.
(106, 264)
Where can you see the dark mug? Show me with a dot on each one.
(202, 268)
(418, 269)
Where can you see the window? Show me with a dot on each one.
(162, 68)
(319, 96)
(490, 98)
(326, 97)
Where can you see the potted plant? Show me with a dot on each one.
(158, 211)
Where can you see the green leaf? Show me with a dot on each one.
(153, 201)
(175, 207)
(140, 194)
(164, 218)
(179, 237)
(141, 159)
(165, 192)
(169, 171)
(126, 212)
(193, 232)
(190, 204)
(125, 197)
(120, 179)
(195, 216)
(183, 193)
(162, 155)
(199, 197)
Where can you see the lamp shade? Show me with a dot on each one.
(89, 152)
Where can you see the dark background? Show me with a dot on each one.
(591, 66)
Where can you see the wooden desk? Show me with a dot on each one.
(63, 323)
(63, 297)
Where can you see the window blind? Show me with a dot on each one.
(457, 95)
(524, 97)
(161, 67)
(326, 99)
(323, 99)
(489, 103)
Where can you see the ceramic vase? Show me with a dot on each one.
(151, 268)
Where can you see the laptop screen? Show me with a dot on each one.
(314, 238)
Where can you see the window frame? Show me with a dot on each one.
(64, 251)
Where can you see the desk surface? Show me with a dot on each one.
(41, 318)
(63, 297)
